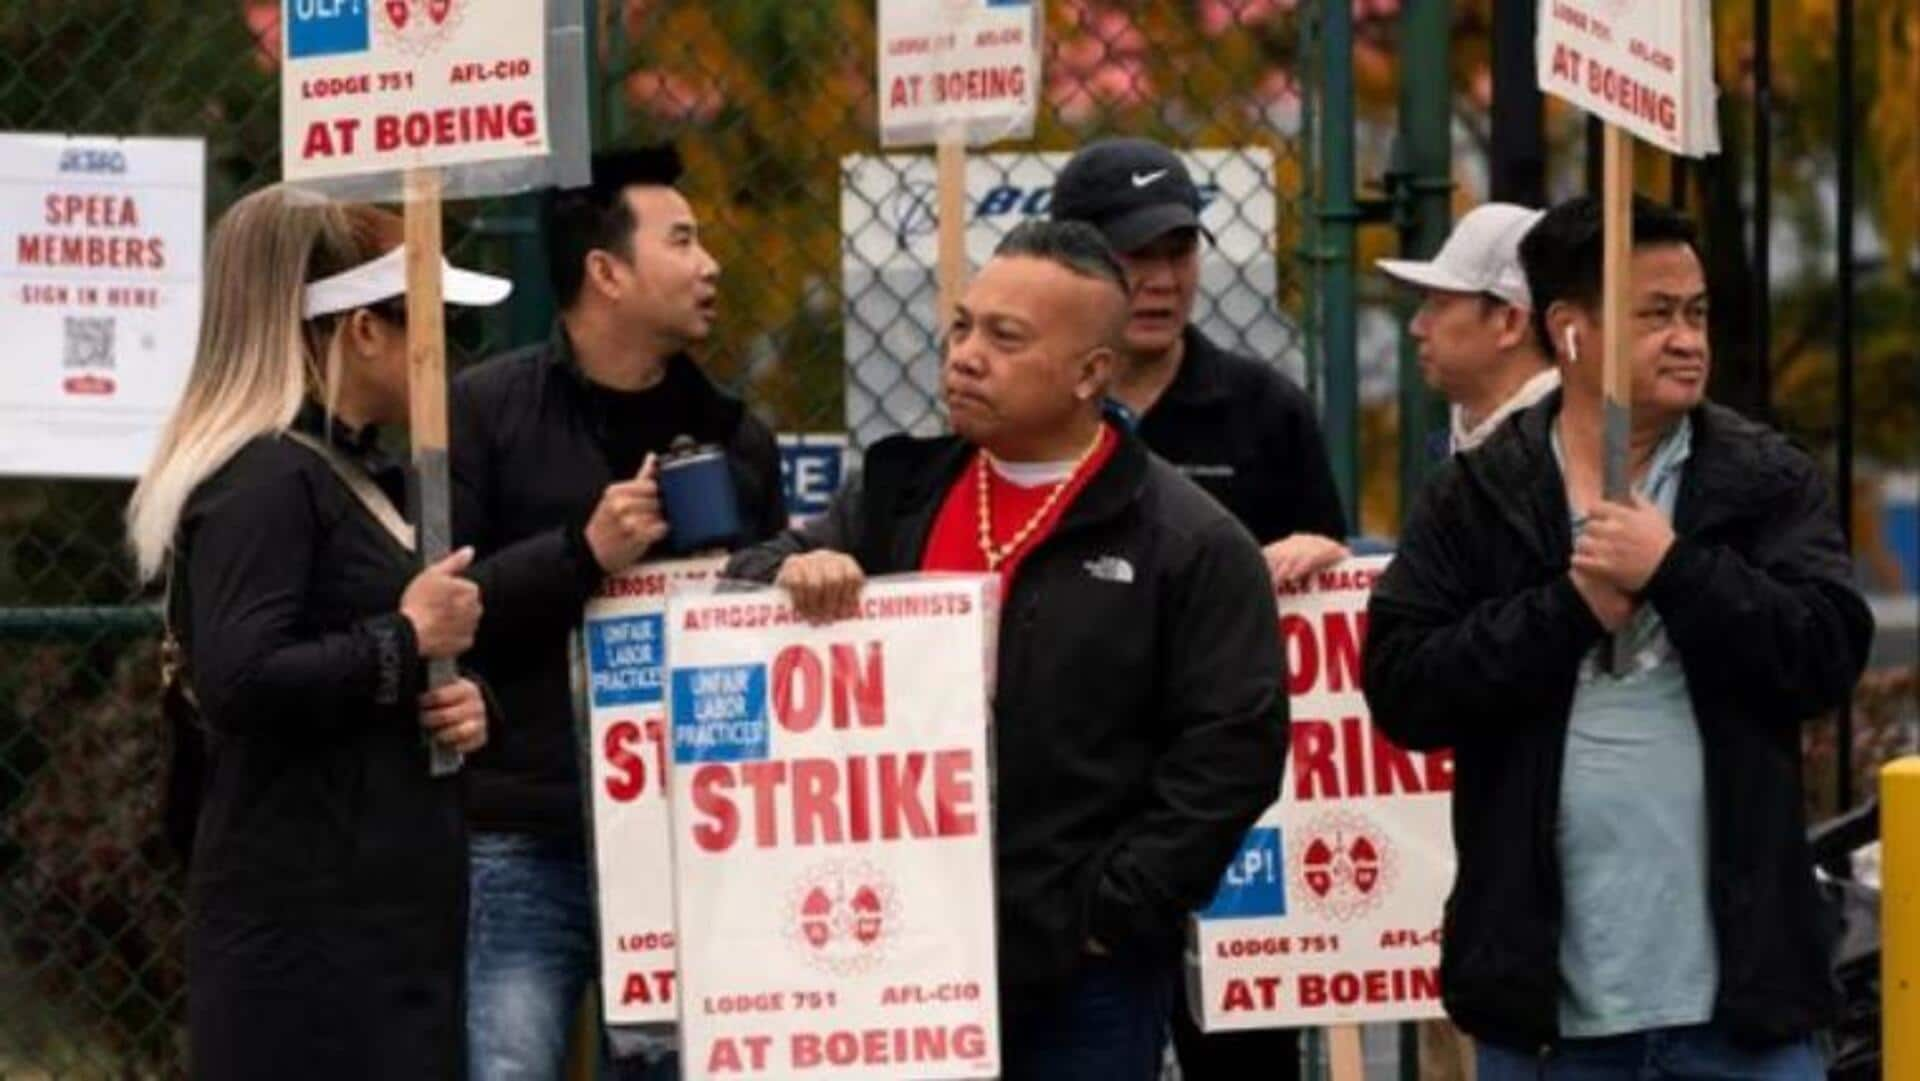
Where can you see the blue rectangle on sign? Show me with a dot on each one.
(326, 27)
(1255, 882)
(623, 659)
(811, 471)
(720, 714)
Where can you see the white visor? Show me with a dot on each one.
(386, 277)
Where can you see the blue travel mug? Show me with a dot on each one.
(697, 495)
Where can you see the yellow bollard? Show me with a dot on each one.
(1900, 918)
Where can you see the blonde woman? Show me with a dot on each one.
(327, 881)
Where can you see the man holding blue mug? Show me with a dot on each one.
(563, 474)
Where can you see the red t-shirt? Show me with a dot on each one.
(954, 543)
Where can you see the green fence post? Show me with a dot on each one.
(1338, 217)
(1423, 208)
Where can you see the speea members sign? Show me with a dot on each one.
(1330, 912)
(100, 278)
(370, 86)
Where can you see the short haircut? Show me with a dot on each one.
(1564, 253)
(1073, 245)
(597, 217)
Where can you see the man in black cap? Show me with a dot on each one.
(1236, 426)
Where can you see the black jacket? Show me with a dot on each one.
(529, 462)
(1249, 437)
(1475, 637)
(328, 867)
(1139, 726)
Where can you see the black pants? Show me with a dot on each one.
(1265, 1054)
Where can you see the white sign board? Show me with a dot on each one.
(1330, 913)
(370, 86)
(1642, 65)
(832, 834)
(100, 254)
(972, 64)
(890, 247)
(625, 648)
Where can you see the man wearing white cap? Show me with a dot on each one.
(1478, 351)
(1477, 348)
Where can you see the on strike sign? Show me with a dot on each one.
(974, 64)
(375, 85)
(100, 252)
(1644, 65)
(1330, 913)
(625, 647)
(831, 822)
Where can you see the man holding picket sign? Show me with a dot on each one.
(1138, 722)
(1634, 889)
(557, 485)
(1617, 612)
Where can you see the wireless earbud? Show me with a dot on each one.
(1573, 346)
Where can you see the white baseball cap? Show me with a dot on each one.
(386, 277)
(1481, 255)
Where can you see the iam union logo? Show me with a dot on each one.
(842, 916)
(1342, 865)
(418, 27)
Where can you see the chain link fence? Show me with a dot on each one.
(827, 326)
(828, 245)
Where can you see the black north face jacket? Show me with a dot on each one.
(1139, 724)
(1475, 639)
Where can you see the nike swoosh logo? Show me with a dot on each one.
(1141, 180)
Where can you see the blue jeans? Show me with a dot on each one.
(1111, 1025)
(1701, 1052)
(530, 955)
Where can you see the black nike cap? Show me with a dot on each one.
(1133, 190)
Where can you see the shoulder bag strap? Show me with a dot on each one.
(363, 488)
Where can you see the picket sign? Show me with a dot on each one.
(832, 834)
(956, 73)
(1329, 915)
(623, 649)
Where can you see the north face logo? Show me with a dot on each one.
(1110, 569)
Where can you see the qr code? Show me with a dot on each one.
(89, 343)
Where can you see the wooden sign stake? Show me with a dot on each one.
(1345, 1062)
(427, 401)
(1617, 371)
